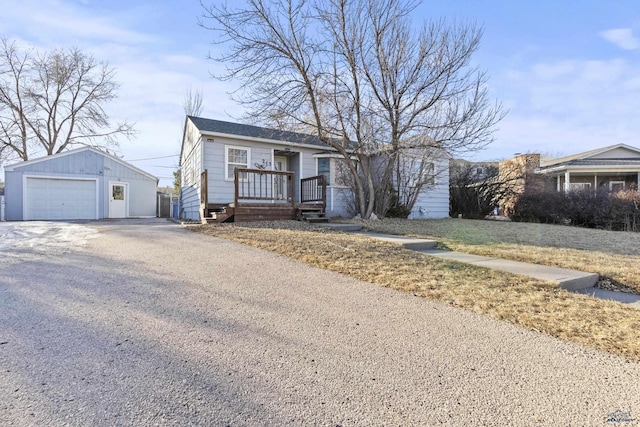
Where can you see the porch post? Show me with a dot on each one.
(595, 181)
(567, 181)
(558, 186)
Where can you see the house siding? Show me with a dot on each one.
(433, 202)
(190, 170)
(617, 153)
(204, 148)
(13, 196)
(221, 190)
(339, 202)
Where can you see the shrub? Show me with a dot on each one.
(584, 208)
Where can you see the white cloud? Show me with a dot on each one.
(154, 70)
(621, 37)
(50, 23)
(568, 106)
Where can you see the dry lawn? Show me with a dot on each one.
(534, 304)
(611, 254)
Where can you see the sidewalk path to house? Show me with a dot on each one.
(150, 324)
(571, 280)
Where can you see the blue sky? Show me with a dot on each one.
(567, 71)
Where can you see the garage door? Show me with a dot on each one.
(49, 199)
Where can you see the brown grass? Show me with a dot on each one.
(534, 304)
(611, 254)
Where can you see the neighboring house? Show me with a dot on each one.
(515, 176)
(613, 168)
(228, 168)
(472, 171)
(84, 183)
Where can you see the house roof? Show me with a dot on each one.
(589, 154)
(238, 129)
(10, 168)
(613, 158)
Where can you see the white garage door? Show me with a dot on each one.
(49, 198)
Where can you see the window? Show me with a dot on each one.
(579, 186)
(616, 186)
(324, 168)
(117, 192)
(236, 157)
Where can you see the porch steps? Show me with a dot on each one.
(312, 215)
(218, 215)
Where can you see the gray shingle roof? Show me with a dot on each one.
(218, 126)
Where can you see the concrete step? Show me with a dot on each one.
(406, 242)
(631, 300)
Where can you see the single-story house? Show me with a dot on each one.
(232, 171)
(615, 167)
(84, 183)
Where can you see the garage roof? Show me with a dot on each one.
(11, 168)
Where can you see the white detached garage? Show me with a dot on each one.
(85, 183)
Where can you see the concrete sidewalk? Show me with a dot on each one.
(571, 280)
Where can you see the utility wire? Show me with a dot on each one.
(154, 158)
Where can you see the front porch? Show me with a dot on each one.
(580, 180)
(266, 195)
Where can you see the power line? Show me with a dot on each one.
(154, 158)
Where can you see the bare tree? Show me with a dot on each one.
(53, 101)
(193, 102)
(478, 189)
(192, 105)
(358, 75)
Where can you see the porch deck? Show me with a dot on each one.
(264, 195)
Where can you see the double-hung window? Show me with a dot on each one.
(236, 157)
(324, 168)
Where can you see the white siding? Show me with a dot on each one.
(339, 202)
(190, 169)
(433, 202)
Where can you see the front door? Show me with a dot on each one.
(280, 182)
(118, 198)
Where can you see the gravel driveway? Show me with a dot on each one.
(147, 323)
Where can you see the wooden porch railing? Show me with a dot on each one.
(313, 190)
(259, 186)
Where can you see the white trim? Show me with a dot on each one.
(226, 158)
(606, 169)
(126, 197)
(612, 183)
(25, 177)
(587, 154)
(573, 186)
(330, 155)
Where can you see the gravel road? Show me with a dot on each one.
(147, 323)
